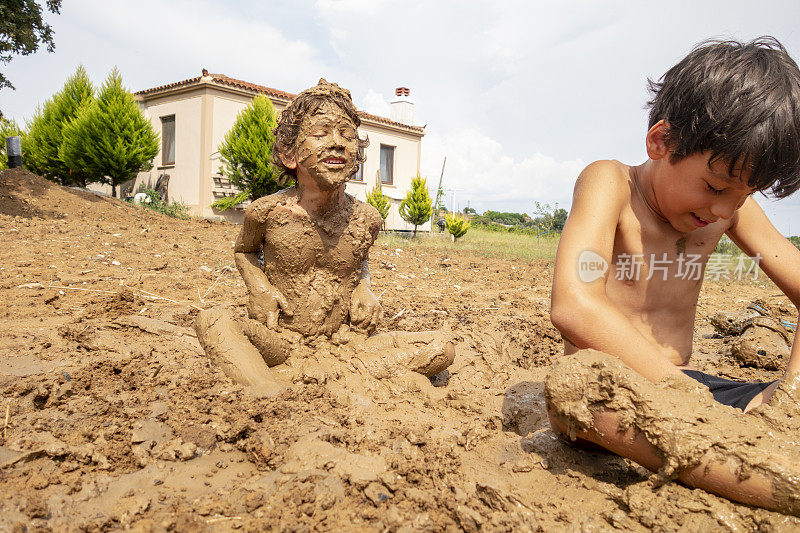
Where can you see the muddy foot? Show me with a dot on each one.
(229, 348)
(424, 352)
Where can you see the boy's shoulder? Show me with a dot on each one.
(261, 208)
(607, 171)
(606, 181)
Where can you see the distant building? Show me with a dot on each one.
(192, 117)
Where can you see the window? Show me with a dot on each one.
(387, 164)
(168, 140)
(359, 175)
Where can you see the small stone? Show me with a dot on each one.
(116, 263)
(36, 507)
(377, 493)
(253, 501)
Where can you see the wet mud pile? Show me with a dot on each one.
(116, 418)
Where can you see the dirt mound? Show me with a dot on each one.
(117, 419)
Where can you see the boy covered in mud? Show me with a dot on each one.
(315, 239)
(724, 124)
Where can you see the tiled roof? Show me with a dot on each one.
(269, 91)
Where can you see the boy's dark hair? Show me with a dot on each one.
(741, 102)
(306, 103)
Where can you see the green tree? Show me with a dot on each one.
(8, 128)
(379, 201)
(46, 131)
(456, 225)
(470, 211)
(546, 219)
(417, 207)
(111, 137)
(559, 219)
(246, 154)
(22, 30)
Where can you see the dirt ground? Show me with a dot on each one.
(116, 419)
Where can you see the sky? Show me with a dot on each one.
(519, 96)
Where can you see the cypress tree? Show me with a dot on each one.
(456, 225)
(46, 130)
(111, 138)
(379, 201)
(417, 207)
(246, 153)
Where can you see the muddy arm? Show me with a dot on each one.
(365, 309)
(254, 277)
(245, 252)
(265, 300)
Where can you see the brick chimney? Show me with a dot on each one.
(401, 109)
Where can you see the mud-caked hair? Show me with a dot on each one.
(304, 104)
(739, 101)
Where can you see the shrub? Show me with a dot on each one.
(157, 204)
(111, 137)
(246, 154)
(46, 133)
(416, 208)
(456, 225)
(379, 201)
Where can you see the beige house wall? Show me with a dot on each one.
(205, 112)
(183, 175)
(406, 166)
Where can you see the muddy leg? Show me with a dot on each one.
(425, 352)
(677, 431)
(720, 478)
(273, 348)
(227, 346)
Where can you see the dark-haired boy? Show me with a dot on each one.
(724, 124)
(315, 239)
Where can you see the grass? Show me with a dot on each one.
(157, 204)
(481, 241)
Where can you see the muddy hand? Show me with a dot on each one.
(365, 309)
(265, 306)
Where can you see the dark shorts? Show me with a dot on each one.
(733, 393)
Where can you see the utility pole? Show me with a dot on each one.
(435, 215)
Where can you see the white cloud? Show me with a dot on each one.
(375, 103)
(200, 34)
(482, 173)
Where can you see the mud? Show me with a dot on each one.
(117, 419)
(764, 344)
(684, 424)
(761, 335)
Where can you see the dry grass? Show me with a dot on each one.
(488, 243)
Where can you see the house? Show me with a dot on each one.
(192, 116)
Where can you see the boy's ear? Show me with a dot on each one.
(289, 160)
(656, 140)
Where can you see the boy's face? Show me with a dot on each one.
(692, 194)
(327, 145)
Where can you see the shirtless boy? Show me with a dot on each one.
(724, 124)
(315, 240)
